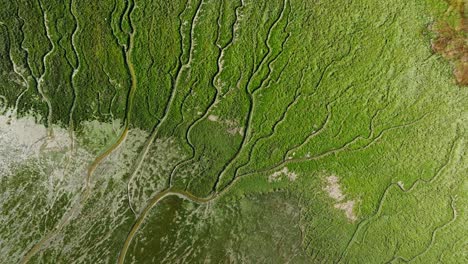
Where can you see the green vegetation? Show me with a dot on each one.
(236, 131)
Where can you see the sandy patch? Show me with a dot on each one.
(233, 126)
(333, 189)
(278, 175)
(213, 118)
(401, 184)
(347, 207)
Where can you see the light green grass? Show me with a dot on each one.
(227, 94)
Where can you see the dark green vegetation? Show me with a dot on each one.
(231, 131)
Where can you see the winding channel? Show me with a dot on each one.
(97, 161)
(153, 202)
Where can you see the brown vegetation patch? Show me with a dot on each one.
(452, 43)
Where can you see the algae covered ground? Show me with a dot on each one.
(233, 131)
